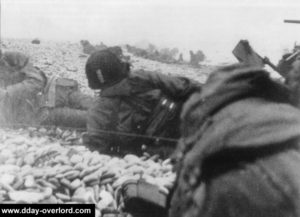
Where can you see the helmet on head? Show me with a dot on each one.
(111, 67)
(11, 63)
(14, 59)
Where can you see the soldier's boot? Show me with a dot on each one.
(114, 213)
(142, 199)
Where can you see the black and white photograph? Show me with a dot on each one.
(161, 108)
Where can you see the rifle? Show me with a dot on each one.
(245, 54)
(292, 21)
(292, 57)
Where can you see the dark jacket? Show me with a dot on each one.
(239, 152)
(130, 106)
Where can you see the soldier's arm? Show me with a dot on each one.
(99, 122)
(176, 87)
(284, 66)
(32, 83)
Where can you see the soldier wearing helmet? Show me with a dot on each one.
(133, 102)
(28, 97)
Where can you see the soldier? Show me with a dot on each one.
(200, 56)
(289, 68)
(139, 103)
(293, 81)
(193, 59)
(27, 96)
(180, 59)
(239, 153)
(283, 65)
(88, 48)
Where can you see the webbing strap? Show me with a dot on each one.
(50, 92)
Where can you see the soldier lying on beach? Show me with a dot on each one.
(146, 104)
(28, 97)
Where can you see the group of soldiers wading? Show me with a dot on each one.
(238, 134)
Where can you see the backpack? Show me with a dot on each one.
(162, 118)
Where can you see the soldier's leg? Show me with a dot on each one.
(66, 117)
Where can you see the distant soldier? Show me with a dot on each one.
(289, 68)
(285, 63)
(193, 59)
(101, 46)
(200, 56)
(292, 80)
(180, 59)
(27, 96)
(136, 103)
(196, 58)
(88, 48)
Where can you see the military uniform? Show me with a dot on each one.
(28, 97)
(20, 86)
(144, 103)
(239, 152)
(284, 66)
(62, 103)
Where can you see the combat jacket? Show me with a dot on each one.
(239, 150)
(131, 107)
(31, 99)
(62, 103)
(19, 103)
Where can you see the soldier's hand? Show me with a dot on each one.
(284, 66)
(294, 74)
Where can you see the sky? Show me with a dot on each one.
(213, 26)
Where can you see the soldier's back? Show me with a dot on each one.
(239, 153)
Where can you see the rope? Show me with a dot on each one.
(95, 131)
